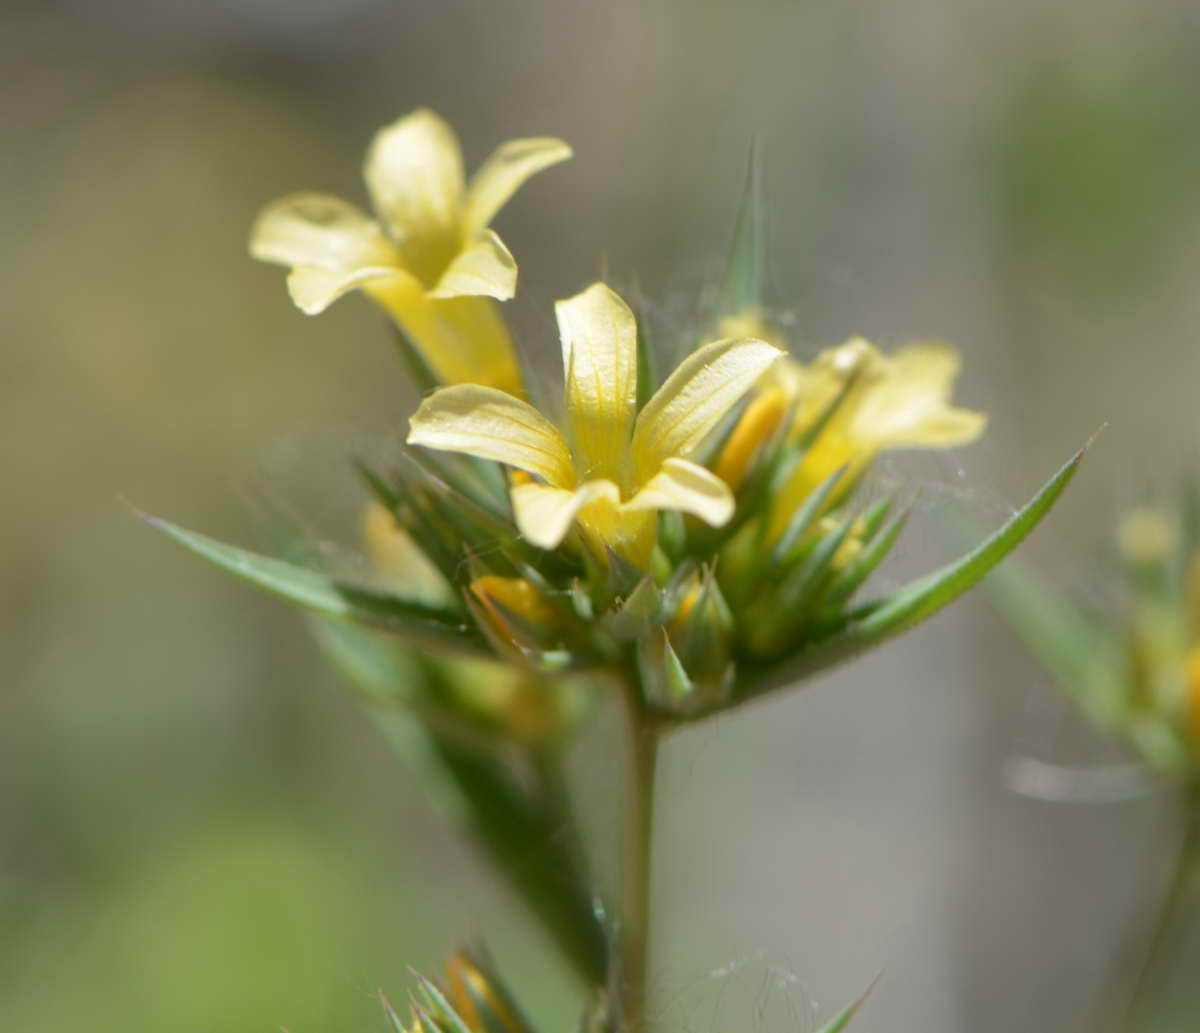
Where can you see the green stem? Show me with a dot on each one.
(1157, 940)
(635, 919)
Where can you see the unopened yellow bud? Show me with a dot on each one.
(395, 554)
(507, 597)
(1146, 536)
(472, 995)
(760, 420)
(1193, 694)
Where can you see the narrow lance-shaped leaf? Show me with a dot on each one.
(323, 594)
(877, 622)
(743, 287)
(842, 1019)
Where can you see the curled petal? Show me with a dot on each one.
(323, 232)
(695, 398)
(599, 342)
(505, 171)
(485, 266)
(314, 290)
(689, 488)
(415, 175)
(488, 423)
(545, 514)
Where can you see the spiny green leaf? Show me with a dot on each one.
(803, 517)
(743, 287)
(316, 591)
(856, 573)
(875, 623)
(800, 589)
(842, 1019)
(436, 1004)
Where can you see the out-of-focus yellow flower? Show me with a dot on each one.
(1146, 536)
(1193, 694)
(896, 401)
(479, 1002)
(398, 557)
(620, 465)
(431, 261)
(508, 598)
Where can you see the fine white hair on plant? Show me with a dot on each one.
(753, 992)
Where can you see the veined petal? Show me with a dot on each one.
(484, 422)
(504, 172)
(599, 342)
(485, 266)
(545, 513)
(314, 290)
(689, 488)
(320, 231)
(694, 398)
(415, 176)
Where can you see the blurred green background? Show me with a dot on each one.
(199, 831)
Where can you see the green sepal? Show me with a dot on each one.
(416, 621)
(877, 549)
(665, 684)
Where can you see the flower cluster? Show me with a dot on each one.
(1132, 666)
(682, 540)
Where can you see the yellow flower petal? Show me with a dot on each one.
(463, 340)
(314, 290)
(694, 398)
(490, 424)
(599, 342)
(324, 232)
(504, 172)
(415, 176)
(689, 488)
(484, 267)
(908, 406)
(545, 513)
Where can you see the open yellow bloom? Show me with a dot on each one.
(896, 401)
(431, 262)
(620, 466)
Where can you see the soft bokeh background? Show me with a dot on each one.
(199, 832)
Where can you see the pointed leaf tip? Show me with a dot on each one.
(321, 593)
(842, 1019)
(743, 287)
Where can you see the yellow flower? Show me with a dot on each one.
(399, 558)
(620, 465)
(431, 262)
(896, 401)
